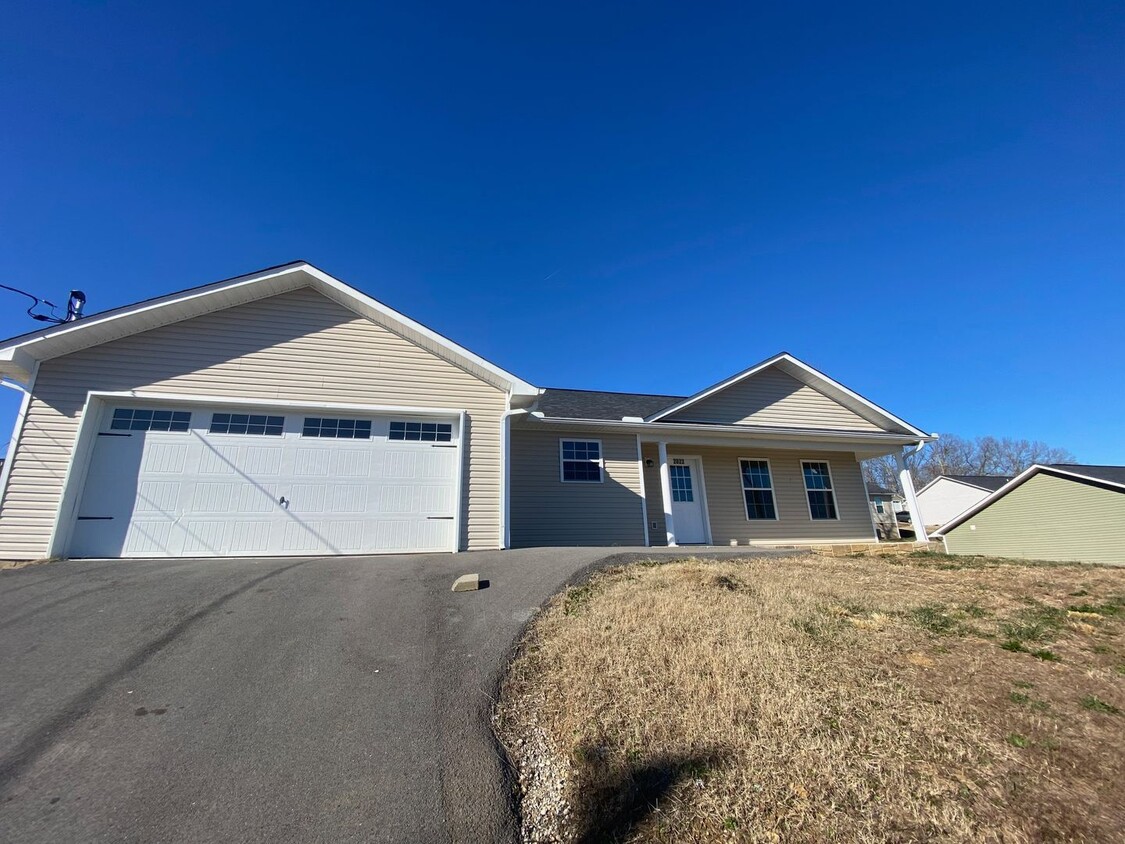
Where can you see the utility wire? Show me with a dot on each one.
(36, 302)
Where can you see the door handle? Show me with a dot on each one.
(284, 502)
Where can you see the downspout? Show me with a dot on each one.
(908, 490)
(505, 475)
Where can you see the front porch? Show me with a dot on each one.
(747, 495)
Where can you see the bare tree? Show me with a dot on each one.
(954, 455)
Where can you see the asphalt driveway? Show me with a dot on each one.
(332, 699)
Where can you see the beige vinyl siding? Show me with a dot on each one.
(1048, 518)
(657, 529)
(298, 346)
(774, 398)
(727, 509)
(547, 511)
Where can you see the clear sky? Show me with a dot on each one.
(925, 201)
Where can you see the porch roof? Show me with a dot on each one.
(864, 444)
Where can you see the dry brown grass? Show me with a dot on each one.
(815, 698)
(12, 565)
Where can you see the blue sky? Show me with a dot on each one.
(927, 203)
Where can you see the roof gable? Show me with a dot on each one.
(985, 483)
(783, 391)
(1106, 477)
(20, 355)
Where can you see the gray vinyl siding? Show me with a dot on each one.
(773, 398)
(1048, 518)
(726, 506)
(298, 346)
(546, 511)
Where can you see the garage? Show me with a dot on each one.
(186, 480)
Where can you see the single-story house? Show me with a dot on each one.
(285, 412)
(947, 496)
(1065, 512)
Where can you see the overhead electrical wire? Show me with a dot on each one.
(73, 306)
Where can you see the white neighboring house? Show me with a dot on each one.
(948, 496)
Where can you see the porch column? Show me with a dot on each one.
(666, 493)
(911, 499)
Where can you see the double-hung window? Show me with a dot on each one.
(757, 489)
(818, 488)
(581, 461)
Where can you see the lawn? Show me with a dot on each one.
(816, 698)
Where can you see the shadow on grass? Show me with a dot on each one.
(618, 805)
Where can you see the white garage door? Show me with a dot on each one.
(174, 481)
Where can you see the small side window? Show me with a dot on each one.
(581, 461)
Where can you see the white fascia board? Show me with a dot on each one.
(132, 319)
(517, 386)
(988, 499)
(930, 484)
(965, 483)
(1022, 477)
(673, 431)
(29, 342)
(787, 358)
(952, 480)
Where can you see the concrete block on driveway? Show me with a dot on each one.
(467, 583)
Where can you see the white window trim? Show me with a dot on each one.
(831, 480)
(773, 490)
(601, 460)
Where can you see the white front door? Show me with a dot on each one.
(175, 481)
(688, 514)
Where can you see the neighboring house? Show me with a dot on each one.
(884, 504)
(284, 412)
(947, 496)
(1063, 512)
(885, 500)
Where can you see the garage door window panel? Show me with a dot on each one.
(247, 423)
(338, 429)
(429, 432)
(139, 419)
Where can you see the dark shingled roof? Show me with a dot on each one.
(989, 482)
(594, 404)
(878, 490)
(1113, 474)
